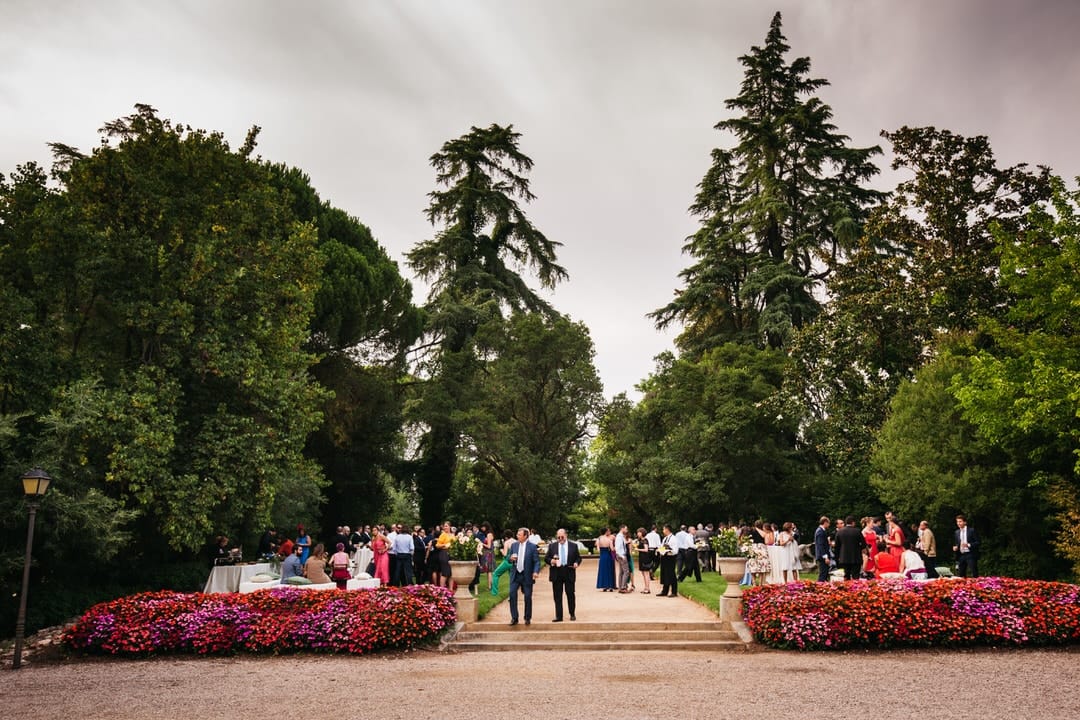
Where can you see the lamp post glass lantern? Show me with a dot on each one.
(35, 484)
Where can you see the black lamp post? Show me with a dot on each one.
(35, 483)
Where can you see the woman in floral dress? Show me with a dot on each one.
(758, 565)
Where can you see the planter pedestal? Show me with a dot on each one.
(733, 569)
(463, 572)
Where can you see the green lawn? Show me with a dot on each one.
(707, 592)
(485, 600)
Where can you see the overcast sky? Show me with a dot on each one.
(616, 102)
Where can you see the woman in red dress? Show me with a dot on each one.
(885, 562)
(871, 539)
(382, 559)
(895, 540)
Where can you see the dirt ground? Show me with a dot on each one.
(430, 684)
(986, 683)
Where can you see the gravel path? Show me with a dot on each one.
(932, 684)
(984, 683)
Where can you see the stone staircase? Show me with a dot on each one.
(713, 636)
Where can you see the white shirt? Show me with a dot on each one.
(620, 545)
(390, 538)
(654, 538)
(534, 539)
(684, 540)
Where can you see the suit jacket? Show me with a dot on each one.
(821, 544)
(849, 545)
(532, 561)
(573, 557)
(972, 538)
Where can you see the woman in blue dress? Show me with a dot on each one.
(605, 573)
(304, 541)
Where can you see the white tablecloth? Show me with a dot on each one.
(353, 584)
(361, 558)
(227, 578)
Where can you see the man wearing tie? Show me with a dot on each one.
(524, 569)
(966, 548)
(563, 560)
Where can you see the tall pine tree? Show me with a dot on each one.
(778, 210)
(473, 265)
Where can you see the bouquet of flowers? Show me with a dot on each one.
(664, 550)
(464, 547)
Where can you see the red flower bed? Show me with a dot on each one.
(893, 613)
(282, 619)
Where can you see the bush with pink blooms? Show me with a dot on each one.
(277, 620)
(903, 613)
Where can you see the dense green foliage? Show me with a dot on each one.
(163, 303)
(929, 366)
(192, 342)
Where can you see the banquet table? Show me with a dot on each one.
(777, 557)
(361, 558)
(353, 584)
(227, 578)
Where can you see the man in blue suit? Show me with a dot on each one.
(524, 569)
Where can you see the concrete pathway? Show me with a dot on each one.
(596, 606)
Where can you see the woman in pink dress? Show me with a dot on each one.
(382, 559)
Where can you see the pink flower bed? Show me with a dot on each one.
(895, 613)
(282, 619)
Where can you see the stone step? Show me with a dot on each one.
(713, 636)
(609, 644)
(579, 626)
(570, 636)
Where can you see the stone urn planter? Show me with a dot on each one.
(463, 572)
(732, 569)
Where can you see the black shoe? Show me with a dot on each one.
(557, 620)
(573, 618)
(661, 594)
(528, 622)
(513, 622)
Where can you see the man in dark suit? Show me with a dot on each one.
(563, 559)
(966, 546)
(821, 549)
(524, 569)
(849, 544)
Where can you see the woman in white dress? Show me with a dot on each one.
(912, 566)
(789, 559)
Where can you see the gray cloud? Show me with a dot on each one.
(615, 99)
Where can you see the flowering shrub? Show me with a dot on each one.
(726, 544)
(464, 547)
(282, 619)
(980, 611)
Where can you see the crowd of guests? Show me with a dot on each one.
(875, 549)
(871, 548)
